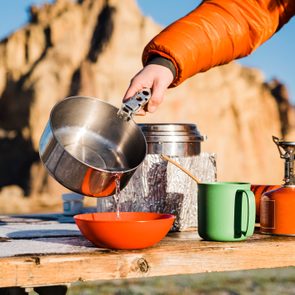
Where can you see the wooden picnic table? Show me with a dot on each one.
(48, 249)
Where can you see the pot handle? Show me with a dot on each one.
(134, 103)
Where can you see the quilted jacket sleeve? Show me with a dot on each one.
(217, 32)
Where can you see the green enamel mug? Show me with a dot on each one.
(226, 211)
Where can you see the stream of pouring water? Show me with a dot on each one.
(116, 197)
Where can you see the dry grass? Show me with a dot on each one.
(273, 281)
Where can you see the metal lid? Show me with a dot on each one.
(168, 127)
(171, 132)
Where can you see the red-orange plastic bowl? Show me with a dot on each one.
(132, 230)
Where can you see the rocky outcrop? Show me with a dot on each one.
(93, 48)
(281, 95)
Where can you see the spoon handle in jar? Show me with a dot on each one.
(181, 168)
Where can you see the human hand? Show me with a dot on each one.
(156, 77)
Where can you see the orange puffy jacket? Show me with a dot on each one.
(217, 32)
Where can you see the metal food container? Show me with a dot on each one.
(158, 186)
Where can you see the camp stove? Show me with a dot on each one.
(277, 211)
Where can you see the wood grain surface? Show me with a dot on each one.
(66, 258)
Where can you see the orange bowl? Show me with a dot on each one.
(132, 230)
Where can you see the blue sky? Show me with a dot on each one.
(275, 58)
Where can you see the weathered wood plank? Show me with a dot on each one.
(178, 253)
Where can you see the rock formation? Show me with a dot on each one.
(93, 48)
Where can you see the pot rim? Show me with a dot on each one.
(52, 130)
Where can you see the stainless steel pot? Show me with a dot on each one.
(88, 144)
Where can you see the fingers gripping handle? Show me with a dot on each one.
(134, 104)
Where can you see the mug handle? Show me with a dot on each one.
(251, 212)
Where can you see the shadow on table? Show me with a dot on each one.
(65, 237)
(43, 233)
(35, 218)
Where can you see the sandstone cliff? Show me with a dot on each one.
(93, 48)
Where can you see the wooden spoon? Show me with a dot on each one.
(164, 157)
